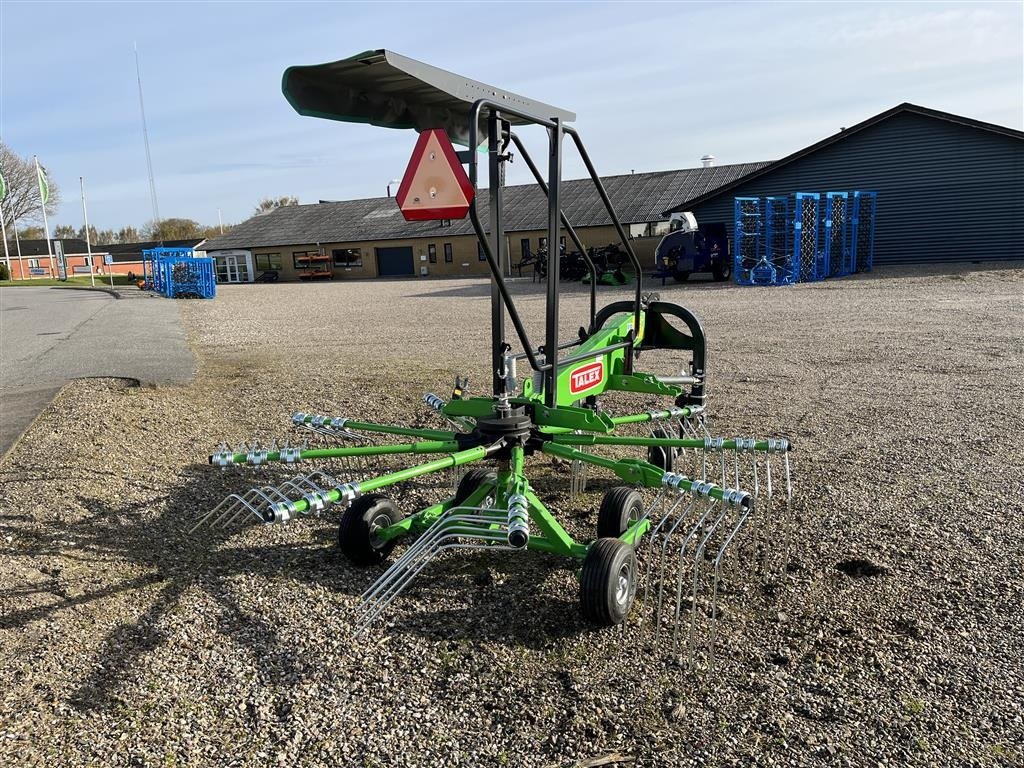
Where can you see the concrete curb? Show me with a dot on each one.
(111, 291)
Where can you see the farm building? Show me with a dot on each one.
(369, 238)
(124, 258)
(949, 188)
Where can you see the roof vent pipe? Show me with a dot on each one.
(707, 161)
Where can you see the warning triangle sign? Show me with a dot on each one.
(435, 185)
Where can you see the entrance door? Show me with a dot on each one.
(395, 262)
(232, 268)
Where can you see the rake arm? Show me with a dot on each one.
(256, 457)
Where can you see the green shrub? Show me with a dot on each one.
(5, 273)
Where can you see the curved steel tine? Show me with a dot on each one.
(790, 523)
(261, 493)
(698, 557)
(370, 613)
(661, 570)
(215, 510)
(681, 571)
(396, 578)
(373, 607)
(244, 500)
(439, 528)
(657, 503)
(714, 591)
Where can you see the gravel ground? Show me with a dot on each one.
(125, 641)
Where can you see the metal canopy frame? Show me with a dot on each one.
(386, 89)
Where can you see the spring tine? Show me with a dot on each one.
(681, 571)
(661, 569)
(698, 557)
(714, 591)
(455, 527)
(656, 504)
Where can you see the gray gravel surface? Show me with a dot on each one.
(124, 641)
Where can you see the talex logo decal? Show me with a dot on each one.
(586, 377)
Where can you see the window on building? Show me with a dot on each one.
(480, 251)
(268, 261)
(561, 242)
(524, 247)
(33, 263)
(448, 255)
(347, 257)
(543, 242)
(446, 222)
(300, 259)
(432, 253)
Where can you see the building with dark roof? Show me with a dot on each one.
(370, 238)
(949, 188)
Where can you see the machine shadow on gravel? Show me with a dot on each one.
(497, 599)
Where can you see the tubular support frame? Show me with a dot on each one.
(549, 367)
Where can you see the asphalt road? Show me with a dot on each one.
(50, 336)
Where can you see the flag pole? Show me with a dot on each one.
(7, 253)
(46, 224)
(17, 247)
(88, 242)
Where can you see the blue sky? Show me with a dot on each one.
(655, 86)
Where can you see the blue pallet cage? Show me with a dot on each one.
(780, 255)
(187, 277)
(747, 239)
(862, 230)
(836, 231)
(151, 258)
(806, 237)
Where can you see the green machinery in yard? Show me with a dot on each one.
(691, 501)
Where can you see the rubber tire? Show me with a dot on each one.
(721, 272)
(620, 507)
(662, 458)
(471, 481)
(355, 538)
(682, 277)
(600, 599)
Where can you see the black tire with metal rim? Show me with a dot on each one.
(472, 480)
(359, 524)
(662, 458)
(721, 270)
(620, 508)
(608, 582)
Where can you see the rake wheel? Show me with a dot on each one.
(359, 522)
(663, 458)
(620, 508)
(470, 481)
(608, 582)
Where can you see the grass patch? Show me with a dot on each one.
(76, 280)
(914, 706)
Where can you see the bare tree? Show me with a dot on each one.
(22, 201)
(268, 204)
(64, 232)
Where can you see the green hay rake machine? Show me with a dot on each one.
(667, 530)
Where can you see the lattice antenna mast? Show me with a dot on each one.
(145, 139)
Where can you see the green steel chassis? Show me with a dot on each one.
(555, 411)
